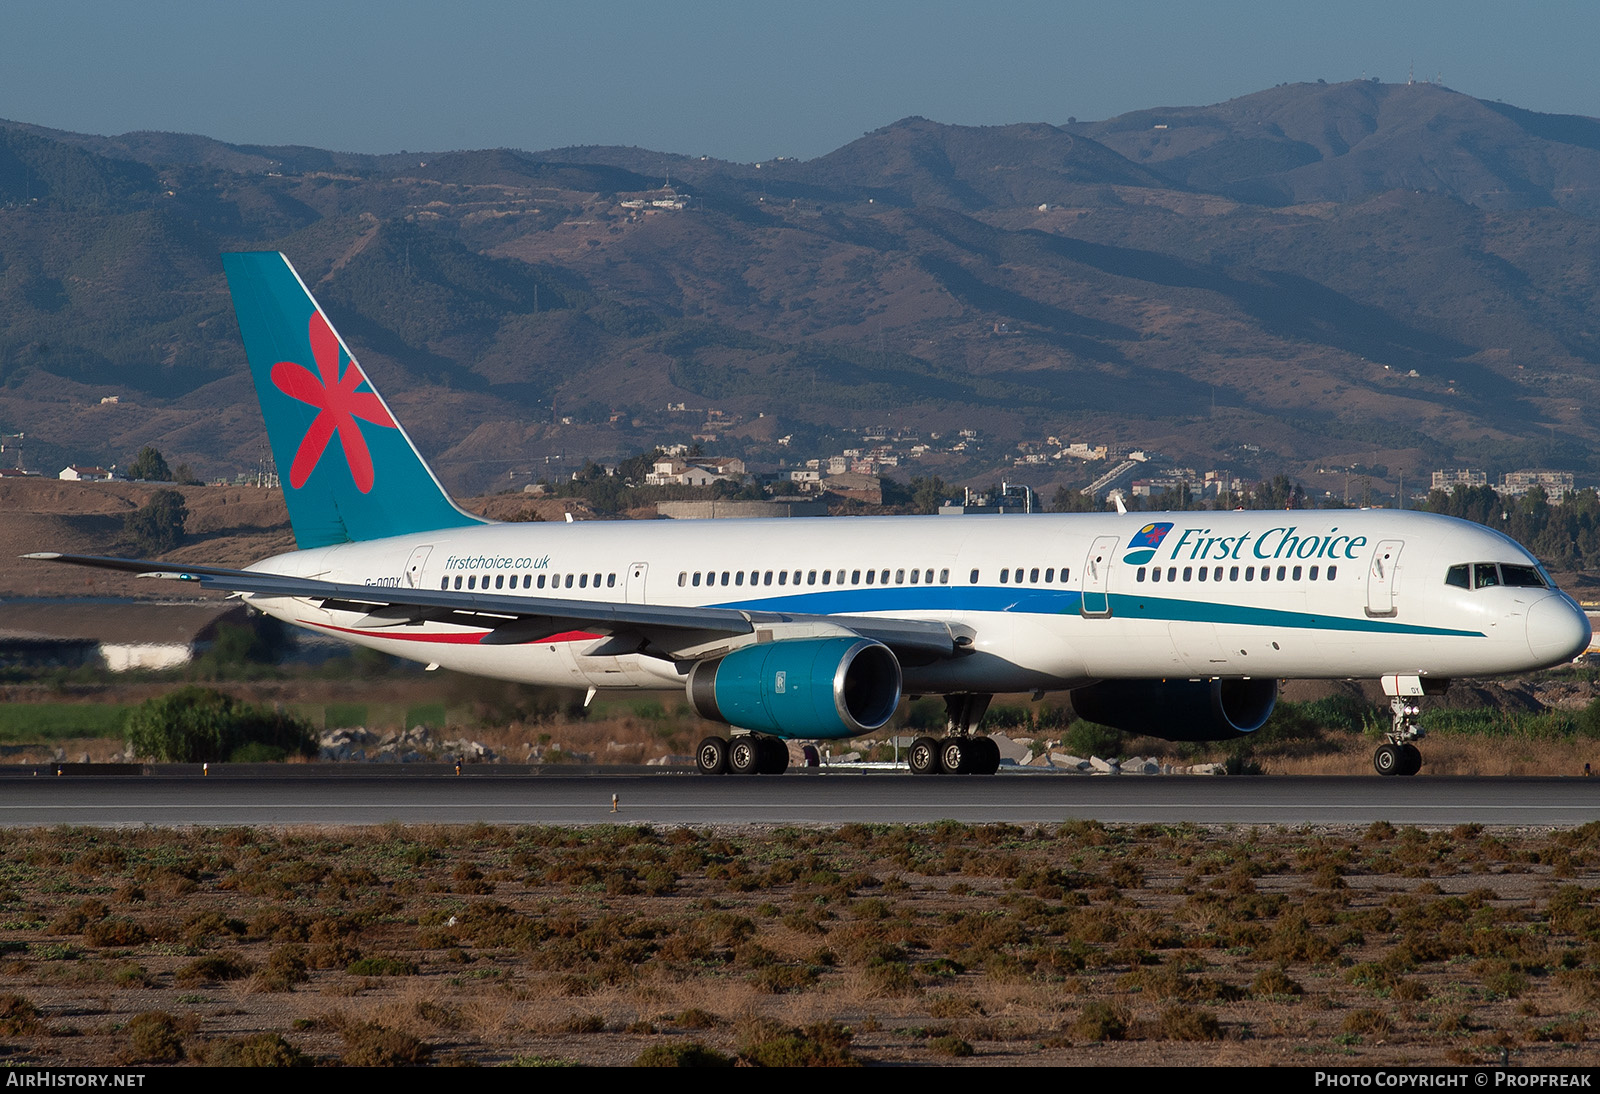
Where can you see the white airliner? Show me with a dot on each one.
(1178, 625)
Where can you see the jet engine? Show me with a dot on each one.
(802, 687)
(1179, 710)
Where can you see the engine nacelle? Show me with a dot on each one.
(802, 687)
(1179, 710)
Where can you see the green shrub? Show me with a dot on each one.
(682, 1054)
(255, 1050)
(1099, 1022)
(369, 1045)
(822, 1044)
(1087, 738)
(381, 966)
(201, 725)
(1181, 1023)
(159, 526)
(154, 1037)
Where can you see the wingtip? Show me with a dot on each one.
(44, 556)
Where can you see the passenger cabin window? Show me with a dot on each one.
(974, 580)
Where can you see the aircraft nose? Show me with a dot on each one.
(1557, 630)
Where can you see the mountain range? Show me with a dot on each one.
(1313, 277)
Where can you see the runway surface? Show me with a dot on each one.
(802, 798)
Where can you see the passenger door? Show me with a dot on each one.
(1096, 601)
(419, 559)
(637, 572)
(1381, 573)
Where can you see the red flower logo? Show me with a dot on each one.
(338, 405)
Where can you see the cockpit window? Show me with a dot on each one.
(1486, 575)
(1521, 577)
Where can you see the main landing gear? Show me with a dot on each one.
(958, 752)
(749, 754)
(1398, 755)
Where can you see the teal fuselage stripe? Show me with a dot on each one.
(861, 600)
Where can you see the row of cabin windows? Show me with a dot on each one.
(1215, 573)
(532, 581)
(810, 577)
(1485, 575)
(1008, 576)
(1014, 576)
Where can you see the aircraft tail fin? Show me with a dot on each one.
(349, 470)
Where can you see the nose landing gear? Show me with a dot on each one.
(1398, 755)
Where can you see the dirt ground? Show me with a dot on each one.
(1081, 944)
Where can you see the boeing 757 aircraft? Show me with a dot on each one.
(1178, 625)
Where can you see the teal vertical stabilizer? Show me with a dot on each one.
(349, 470)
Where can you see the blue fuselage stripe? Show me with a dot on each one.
(1032, 601)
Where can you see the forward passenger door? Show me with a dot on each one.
(1096, 600)
(1381, 575)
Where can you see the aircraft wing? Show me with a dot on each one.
(508, 620)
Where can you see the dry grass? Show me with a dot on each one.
(914, 944)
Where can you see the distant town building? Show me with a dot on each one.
(1517, 483)
(86, 474)
(696, 472)
(1450, 478)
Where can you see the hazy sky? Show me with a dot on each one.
(742, 81)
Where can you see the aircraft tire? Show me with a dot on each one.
(987, 760)
(744, 755)
(1410, 759)
(956, 756)
(923, 758)
(1388, 760)
(712, 756)
(774, 756)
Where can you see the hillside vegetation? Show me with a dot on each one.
(1334, 275)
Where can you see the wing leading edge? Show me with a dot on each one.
(656, 629)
